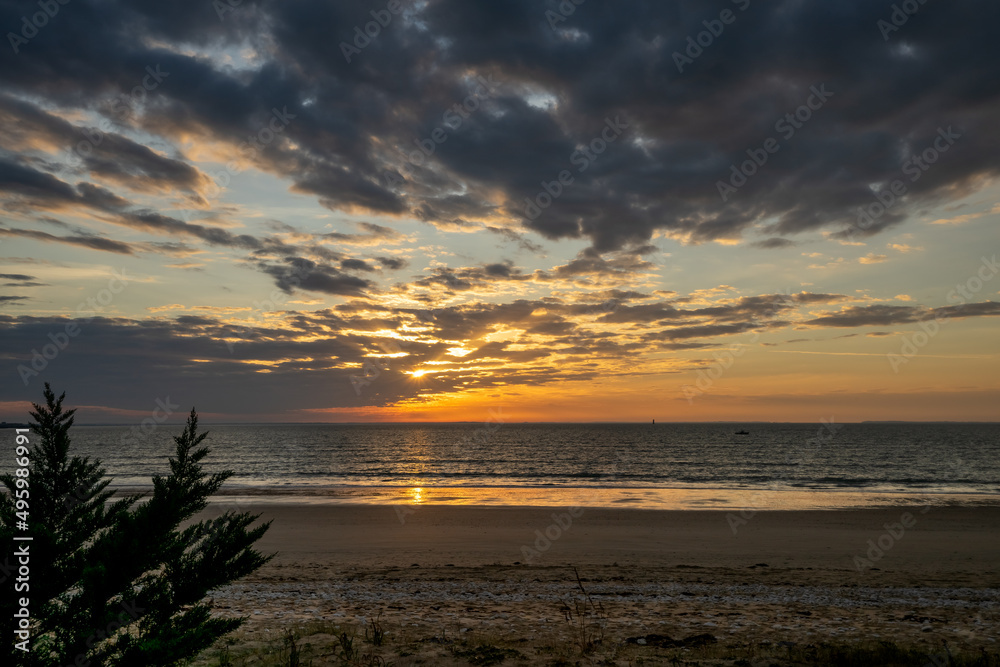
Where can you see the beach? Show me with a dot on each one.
(446, 581)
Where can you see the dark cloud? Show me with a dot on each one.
(371, 233)
(392, 263)
(773, 243)
(205, 361)
(519, 239)
(346, 126)
(591, 263)
(468, 278)
(104, 154)
(356, 265)
(304, 274)
(981, 309)
(92, 242)
(27, 183)
(812, 297)
(20, 280)
(883, 315)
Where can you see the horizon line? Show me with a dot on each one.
(412, 423)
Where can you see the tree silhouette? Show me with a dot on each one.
(118, 583)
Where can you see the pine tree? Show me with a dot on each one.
(116, 584)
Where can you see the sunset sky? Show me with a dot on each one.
(501, 208)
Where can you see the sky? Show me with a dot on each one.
(446, 210)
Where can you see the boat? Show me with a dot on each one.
(743, 433)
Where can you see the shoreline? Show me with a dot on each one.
(645, 498)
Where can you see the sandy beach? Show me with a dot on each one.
(449, 581)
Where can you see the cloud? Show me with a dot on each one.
(962, 219)
(472, 278)
(349, 125)
(304, 274)
(773, 243)
(104, 154)
(392, 263)
(20, 280)
(883, 315)
(519, 239)
(92, 242)
(811, 297)
(372, 235)
(872, 258)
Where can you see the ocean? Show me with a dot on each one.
(643, 465)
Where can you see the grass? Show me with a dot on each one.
(588, 617)
(377, 633)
